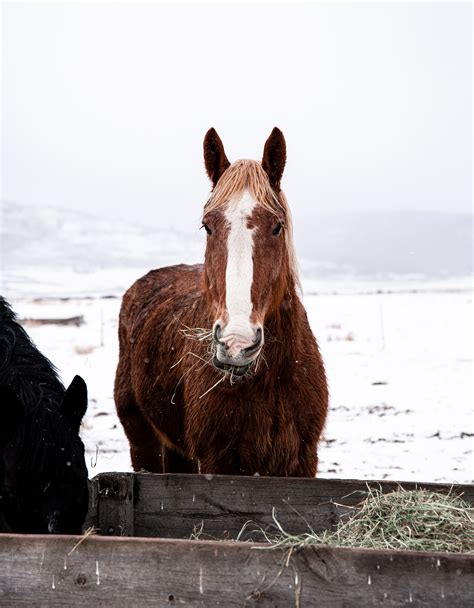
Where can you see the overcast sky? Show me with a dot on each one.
(105, 105)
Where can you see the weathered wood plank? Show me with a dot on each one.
(93, 505)
(77, 321)
(43, 571)
(114, 495)
(172, 506)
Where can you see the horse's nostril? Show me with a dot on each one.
(256, 343)
(217, 333)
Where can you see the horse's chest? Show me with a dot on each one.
(261, 436)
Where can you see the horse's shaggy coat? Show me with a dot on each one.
(43, 476)
(183, 409)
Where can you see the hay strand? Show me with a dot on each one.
(415, 520)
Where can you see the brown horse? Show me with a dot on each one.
(218, 369)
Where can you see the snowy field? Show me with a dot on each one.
(398, 357)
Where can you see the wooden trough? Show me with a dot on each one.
(142, 555)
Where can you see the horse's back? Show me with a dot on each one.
(146, 387)
(153, 310)
(159, 290)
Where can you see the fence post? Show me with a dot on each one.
(115, 503)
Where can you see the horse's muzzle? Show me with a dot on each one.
(234, 352)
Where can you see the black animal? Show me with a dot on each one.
(43, 475)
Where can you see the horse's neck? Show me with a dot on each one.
(284, 328)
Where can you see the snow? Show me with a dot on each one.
(398, 356)
(398, 348)
(400, 373)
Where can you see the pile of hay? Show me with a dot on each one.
(416, 520)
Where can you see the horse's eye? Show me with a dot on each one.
(276, 231)
(207, 229)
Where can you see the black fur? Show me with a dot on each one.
(43, 475)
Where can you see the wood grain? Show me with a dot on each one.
(114, 496)
(42, 571)
(172, 506)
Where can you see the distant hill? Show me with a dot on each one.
(47, 236)
(368, 244)
(386, 243)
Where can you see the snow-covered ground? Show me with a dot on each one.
(398, 357)
(398, 351)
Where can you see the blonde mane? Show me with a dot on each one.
(250, 175)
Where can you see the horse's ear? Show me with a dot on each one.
(11, 411)
(74, 403)
(214, 156)
(274, 157)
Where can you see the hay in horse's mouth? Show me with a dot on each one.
(235, 370)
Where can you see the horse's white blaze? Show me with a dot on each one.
(238, 332)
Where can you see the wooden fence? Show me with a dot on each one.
(173, 506)
(126, 572)
(113, 569)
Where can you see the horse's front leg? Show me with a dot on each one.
(146, 450)
(218, 462)
(307, 462)
(175, 462)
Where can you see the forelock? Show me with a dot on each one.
(245, 175)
